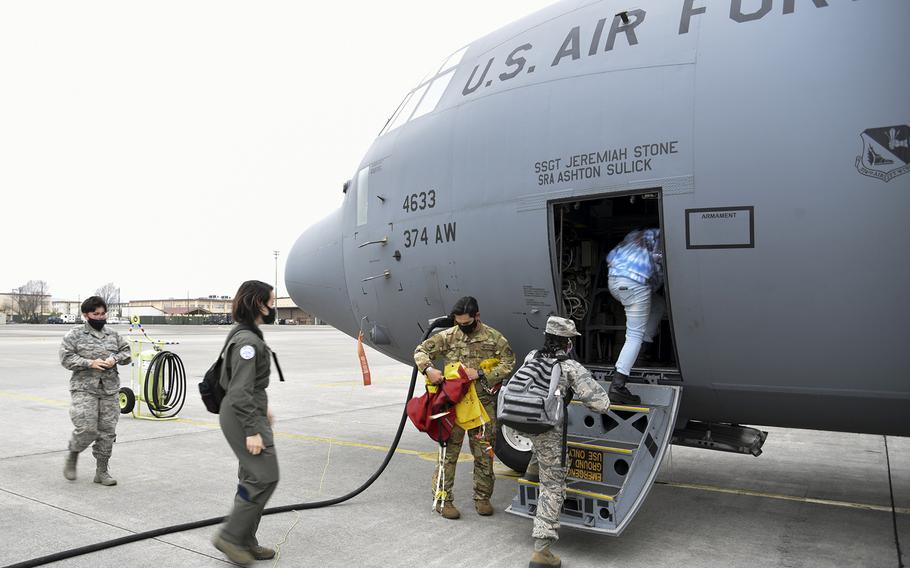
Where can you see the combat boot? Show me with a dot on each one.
(262, 553)
(69, 466)
(448, 511)
(483, 507)
(544, 559)
(619, 394)
(236, 554)
(101, 474)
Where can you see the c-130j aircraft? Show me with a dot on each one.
(767, 139)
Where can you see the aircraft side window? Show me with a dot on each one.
(453, 60)
(408, 108)
(398, 110)
(426, 96)
(434, 93)
(363, 195)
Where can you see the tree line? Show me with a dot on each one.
(30, 300)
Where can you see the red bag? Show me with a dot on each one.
(434, 413)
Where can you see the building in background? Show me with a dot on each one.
(187, 312)
(211, 304)
(288, 312)
(66, 307)
(9, 304)
(158, 311)
(141, 311)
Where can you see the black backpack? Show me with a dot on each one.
(210, 388)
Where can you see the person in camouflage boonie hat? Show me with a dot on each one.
(548, 458)
(562, 327)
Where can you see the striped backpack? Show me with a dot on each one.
(530, 402)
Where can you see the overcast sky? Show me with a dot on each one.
(170, 147)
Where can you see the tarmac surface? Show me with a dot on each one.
(813, 499)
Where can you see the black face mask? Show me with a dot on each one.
(468, 328)
(97, 325)
(269, 319)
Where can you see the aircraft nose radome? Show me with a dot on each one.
(314, 275)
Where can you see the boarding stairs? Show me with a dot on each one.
(613, 460)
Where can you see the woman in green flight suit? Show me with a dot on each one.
(246, 422)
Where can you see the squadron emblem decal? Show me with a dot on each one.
(886, 152)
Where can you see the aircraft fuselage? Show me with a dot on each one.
(751, 123)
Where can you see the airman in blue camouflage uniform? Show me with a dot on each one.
(92, 352)
(548, 446)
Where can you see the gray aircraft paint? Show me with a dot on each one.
(764, 102)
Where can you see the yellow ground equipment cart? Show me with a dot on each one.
(157, 377)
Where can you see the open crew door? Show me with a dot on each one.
(583, 233)
(613, 461)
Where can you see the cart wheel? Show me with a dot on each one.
(127, 400)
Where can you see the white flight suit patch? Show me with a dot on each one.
(247, 352)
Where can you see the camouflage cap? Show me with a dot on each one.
(561, 326)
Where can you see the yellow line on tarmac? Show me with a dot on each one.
(32, 398)
(359, 382)
(325, 440)
(812, 500)
(431, 456)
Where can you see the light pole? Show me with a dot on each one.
(276, 284)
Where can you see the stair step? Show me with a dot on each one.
(601, 445)
(596, 490)
(570, 488)
(642, 409)
(613, 460)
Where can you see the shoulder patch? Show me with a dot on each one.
(247, 352)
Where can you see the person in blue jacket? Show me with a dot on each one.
(636, 273)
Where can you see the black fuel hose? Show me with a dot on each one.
(58, 556)
(165, 385)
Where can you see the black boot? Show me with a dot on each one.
(619, 394)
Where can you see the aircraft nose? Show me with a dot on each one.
(314, 275)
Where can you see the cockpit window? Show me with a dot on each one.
(426, 96)
(453, 60)
(433, 94)
(394, 119)
(407, 108)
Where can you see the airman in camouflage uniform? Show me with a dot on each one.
(93, 355)
(549, 450)
(469, 342)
